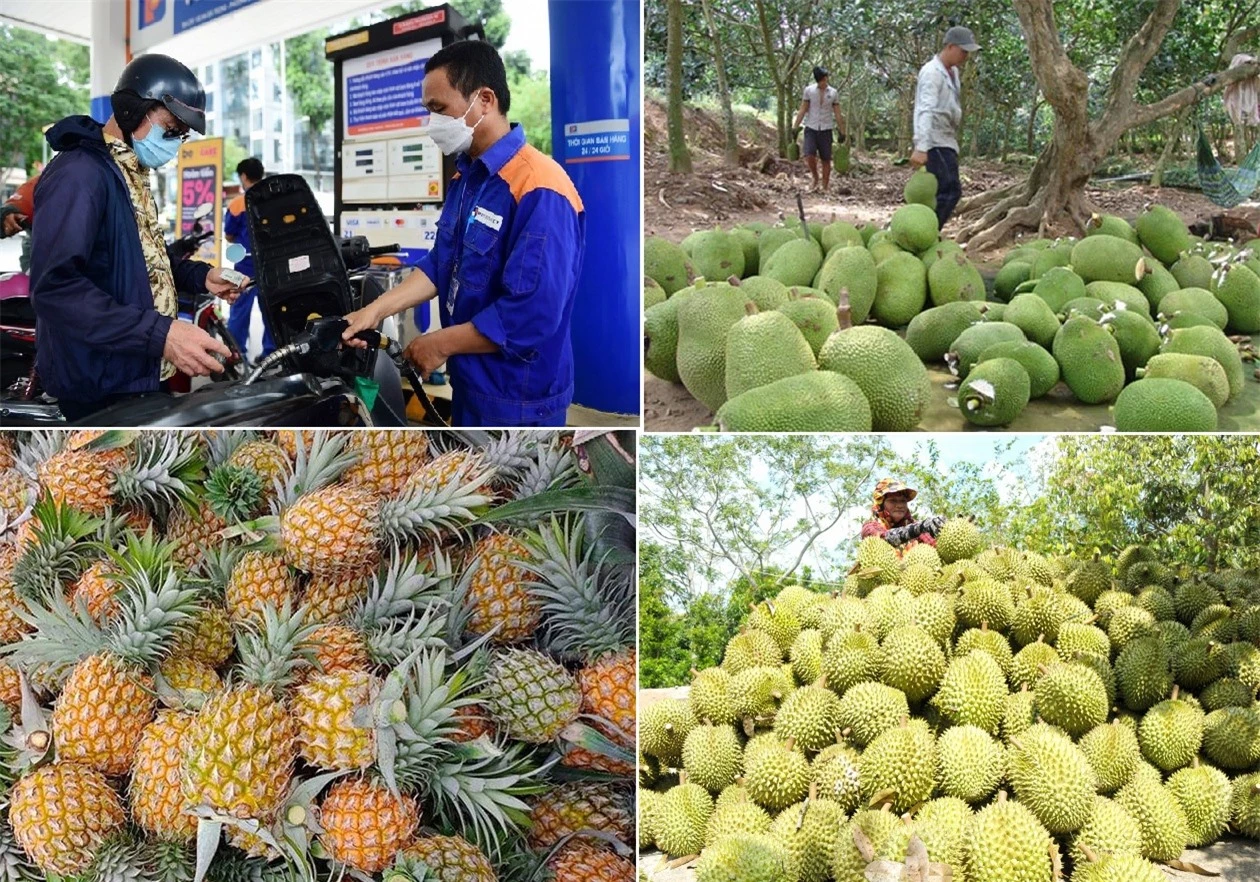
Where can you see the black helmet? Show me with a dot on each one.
(160, 79)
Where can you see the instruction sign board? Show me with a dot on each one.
(600, 140)
(192, 13)
(200, 175)
(382, 91)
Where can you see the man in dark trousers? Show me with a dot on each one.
(236, 230)
(938, 117)
(103, 288)
(507, 257)
(820, 111)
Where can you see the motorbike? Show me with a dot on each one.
(307, 281)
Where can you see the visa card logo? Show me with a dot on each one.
(151, 12)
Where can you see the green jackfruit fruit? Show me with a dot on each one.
(764, 291)
(914, 227)
(667, 264)
(818, 401)
(932, 332)
(1089, 359)
(994, 393)
(885, 368)
(770, 241)
(747, 240)
(967, 346)
(853, 271)
(1163, 233)
(1034, 317)
(901, 290)
(882, 249)
(814, 316)
(652, 293)
(953, 278)
(794, 263)
(763, 347)
(717, 255)
(1136, 336)
(1111, 225)
(1239, 291)
(1164, 405)
(1058, 287)
(1157, 284)
(1118, 296)
(941, 249)
(704, 321)
(840, 234)
(921, 188)
(660, 341)
(1192, 271)
(1108, 259)
(1042, 369)
(1198, 301)
(1010, 277)
(1213, 343)
(1090, 307)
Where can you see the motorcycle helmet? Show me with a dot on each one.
(158, 79)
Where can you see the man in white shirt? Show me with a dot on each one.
(938, 115)
(820, 111)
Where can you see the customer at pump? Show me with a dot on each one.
(506, 260)
(892, 521)
(101, 284)
(236, 230)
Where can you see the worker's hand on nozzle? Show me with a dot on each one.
(192, 350)
(364, 319)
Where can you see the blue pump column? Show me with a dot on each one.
(596, 124)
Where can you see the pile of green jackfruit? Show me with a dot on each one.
(795, 328)
(1010, 716)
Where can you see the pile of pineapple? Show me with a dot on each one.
(970, 712)
(264, 656)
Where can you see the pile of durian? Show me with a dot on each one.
(970, 712)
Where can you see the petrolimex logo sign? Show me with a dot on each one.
(151, 12)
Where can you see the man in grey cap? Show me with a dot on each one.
(820, 107)
(938, 115)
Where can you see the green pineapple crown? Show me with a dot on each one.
(58, 555)
(553, 467)
(151, 612)
(315, 468)
(587, 607)
(220, 445)
(166, 469)
(271, 652)
(234, 493)
(433, 511)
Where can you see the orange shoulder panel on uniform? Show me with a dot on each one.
(531, 169)
(237, 205)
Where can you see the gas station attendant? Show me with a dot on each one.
(506, 260)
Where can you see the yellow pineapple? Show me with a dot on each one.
(244, 744)
(8, 452)
(207, 637)
(62, 813)
(288, 441)
(157, 802)
(444, 470)
(100, 469)
(191, 533)
(324, 707)
(267, 459)
(387, 459)
(101, 714)
(259, 579)
(580, 860)
(474, 721)
(12, 627)
(10, 689)
(365, 825)
(17, 493)
(330, 598)
(332, 531)
(571, 808)
(83, 479)
(608, 692)
(452, 858)
(337, 648)
(251, 843)
(97, 588)
(499, 593)
(190, 675)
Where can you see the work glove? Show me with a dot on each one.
(899, 536)
(932, 526)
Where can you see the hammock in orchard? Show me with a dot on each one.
(1227, 187)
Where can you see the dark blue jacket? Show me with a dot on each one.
(514, 225)
(97, 332)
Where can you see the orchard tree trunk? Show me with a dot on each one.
(1170, 147)
(1053, 198)
(679, 155)
(724, 91)
(1032, 123)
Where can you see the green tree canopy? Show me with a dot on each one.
(41, 81)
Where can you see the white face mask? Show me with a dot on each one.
(452, 134)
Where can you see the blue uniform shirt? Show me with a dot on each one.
(507, 258)
(236, 225)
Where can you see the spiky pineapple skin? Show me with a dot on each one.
(338, 648)
(83, 479)
(331, 531)
(452, 858)
(365, 826)
(324, 707)
(190, 532)
(330, 598)
(207, 638)
(17, 493)
(266, 458)
(190, 675)
(531, 697)
(240, 757)
(444, 470)
(387, 459)
(10, 688)
(157, 802)
(474, 721)
(570, 808)
(97, 590)
(61, 814)
(259, 579)
(498, 591)
(12, 627)
(101, 714)
(608, 692)
(582, 861)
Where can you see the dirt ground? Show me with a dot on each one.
(1230, 860)
(765, 189)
